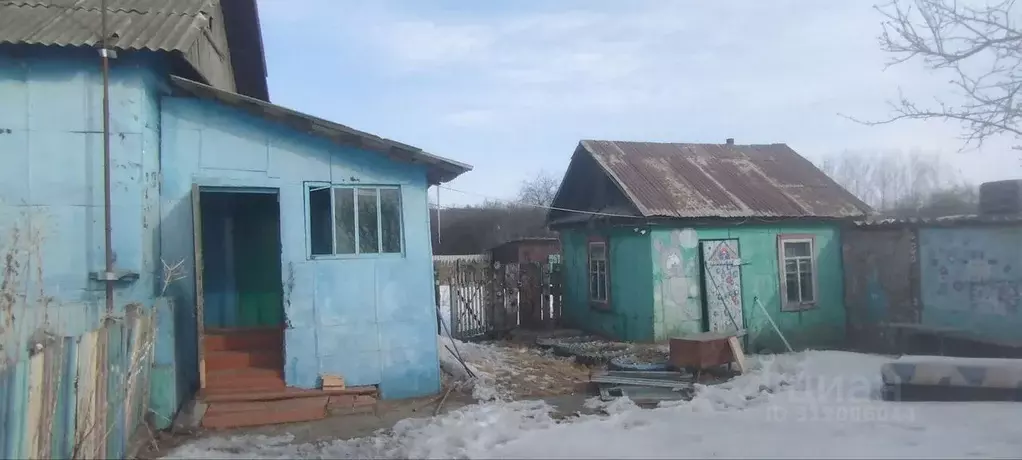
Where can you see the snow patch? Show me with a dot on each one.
(815, 404)
(468, 432)
(476, 357)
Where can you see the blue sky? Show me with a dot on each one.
(510, 86)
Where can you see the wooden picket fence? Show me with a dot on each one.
(481, 298)
(79, 397)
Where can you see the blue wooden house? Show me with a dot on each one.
(289, 246)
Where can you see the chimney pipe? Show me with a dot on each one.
(730, 141)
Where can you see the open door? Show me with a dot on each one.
(199, 297)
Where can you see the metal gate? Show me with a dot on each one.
(722, 278)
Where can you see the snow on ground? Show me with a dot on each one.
(506, 371)
(809, 405)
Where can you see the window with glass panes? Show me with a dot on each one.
(798, 276)
(345, 220)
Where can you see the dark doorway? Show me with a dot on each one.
(241, 289)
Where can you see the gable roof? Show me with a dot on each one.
(439, 169)
(177, 26)
(719, 180)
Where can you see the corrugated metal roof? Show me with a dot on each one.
(157, 25)
(440, 169)
(722, 180)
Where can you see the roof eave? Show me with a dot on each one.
(439, 169)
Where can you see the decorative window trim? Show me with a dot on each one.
(357, 254)
(795, 306)
(596, 303)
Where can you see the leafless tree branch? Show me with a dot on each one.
(980, 46)
(171, 273)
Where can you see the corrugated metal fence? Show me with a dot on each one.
(78, 397)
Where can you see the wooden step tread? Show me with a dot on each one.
(243, 340)
(245, 372)
(236, 359)
(220, 395)
(223, 415)
(248, 379)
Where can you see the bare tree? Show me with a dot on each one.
(540, 190)
(914, 184)
(979, 45)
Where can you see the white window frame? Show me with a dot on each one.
(605, 275)
(798, 304)
(311, 187)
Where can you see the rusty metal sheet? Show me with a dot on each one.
(722, 180)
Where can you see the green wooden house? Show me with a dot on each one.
(665, 240)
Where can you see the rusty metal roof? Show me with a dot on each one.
(439, 169)
(722, 180)
(157, 25)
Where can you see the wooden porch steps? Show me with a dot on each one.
(236, 409)
(286, 393)
(239, 414)
(266, 339)
(245, 379)
(245, 384)
(244, 359)
(235, 359)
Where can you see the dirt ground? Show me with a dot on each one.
(529, 373)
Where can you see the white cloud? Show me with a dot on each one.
(468, 118)
(778, 71)
(423, 43)
(656, 56)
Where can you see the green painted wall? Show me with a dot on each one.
(257, 263)
(630, 316)
(676, 287)
(677, 302)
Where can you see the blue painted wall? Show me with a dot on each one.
(971, 279)
(51, 196)
(368, 318)
(51, 185)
